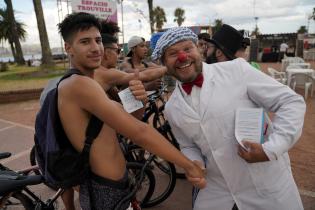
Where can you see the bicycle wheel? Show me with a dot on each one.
(37, 172)
(22, 199)
(147, 185)
(164, 173)
(162, 125)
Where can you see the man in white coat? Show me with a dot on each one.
(201, 112)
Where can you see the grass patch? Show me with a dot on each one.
(25, 77)
(31, 75)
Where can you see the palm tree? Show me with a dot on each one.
(5, 30)
(44, 43)
(302, 30)
(218, 23)
(179, 16)
(313, 14)
(256, 31)
(159, 17)
(150, 4)
(14, 33)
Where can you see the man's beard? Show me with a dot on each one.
(198, 70)
(212, 58)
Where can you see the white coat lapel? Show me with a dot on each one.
(180, 104)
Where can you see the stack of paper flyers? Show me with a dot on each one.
(249, 125)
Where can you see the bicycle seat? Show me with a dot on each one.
(11, 181)
(4, 155)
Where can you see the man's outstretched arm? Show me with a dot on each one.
(113, 77)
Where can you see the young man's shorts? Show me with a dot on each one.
(106, 193)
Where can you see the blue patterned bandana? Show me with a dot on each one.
(171, 37)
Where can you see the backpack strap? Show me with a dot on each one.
(68, 74)
(95, 124)
(131, 63)
(145, 64)
(93, 129)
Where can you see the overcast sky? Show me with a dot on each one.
(275, 16)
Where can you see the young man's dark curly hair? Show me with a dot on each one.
(77, 22)
(110, 28)
(108, 39)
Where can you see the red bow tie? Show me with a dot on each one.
(189, 85)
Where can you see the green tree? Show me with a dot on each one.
(159, 17)
(5, 30)
(150, 4)
(47, 59)
(302, 30)
(14, 33)
(179, 14)
(218, 23)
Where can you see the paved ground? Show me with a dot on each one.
(16, 136)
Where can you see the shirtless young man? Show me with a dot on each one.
(81, 96)
(108, 77)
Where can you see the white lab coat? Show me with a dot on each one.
(208, 135)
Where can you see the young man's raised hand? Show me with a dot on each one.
(137, 88)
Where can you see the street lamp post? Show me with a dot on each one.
(122, 19)
(122, 22)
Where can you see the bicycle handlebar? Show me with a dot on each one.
(11, 181)
(157, 94)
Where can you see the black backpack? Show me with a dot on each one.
(60, 164)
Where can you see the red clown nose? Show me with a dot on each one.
(181, 56)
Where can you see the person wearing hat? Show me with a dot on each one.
(227, 44)
(224, 44)
(201, 112)
(138, 51)
(167, 79)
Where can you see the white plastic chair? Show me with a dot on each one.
(292, 67)
(300, 65)
(300, 80)
(286, 62)
(279, 76)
